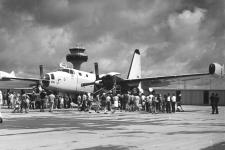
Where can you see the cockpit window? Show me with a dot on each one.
(80, 74)
(64, 70)
(46, 77)
(52, 76)
(72, 72)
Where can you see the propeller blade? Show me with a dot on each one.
(87, 84)
(96, 71)
(41, 72)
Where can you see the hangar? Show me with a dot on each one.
(196, 92)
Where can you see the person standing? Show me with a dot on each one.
(137, 102)
(98, 103)
(10, 104)
(32, 100)
(51, 101)
(179, 107)
(164, 103)
(173, 102)
(115, 102)
(132, 101)
(61, 102)
(90, 101)
(154, 102)
(212, 101)
(168, 104)
(84, 102)
(56, 102)
(143, 102)
(1, 102)
(42, 97)
(151, 102)
(216, 103)
(126, 101)
(24, 102)
(108, 102)
(4, 98)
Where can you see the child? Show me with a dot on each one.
(17, 106)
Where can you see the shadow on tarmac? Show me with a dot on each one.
(87, 125)
(108, 147)
(218, 146)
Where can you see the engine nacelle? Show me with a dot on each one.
(216, 69)
(98, 82)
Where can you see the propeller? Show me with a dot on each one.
(106, 80)
(40, 85)
(41, 72)
(96, 71)
(97, 81)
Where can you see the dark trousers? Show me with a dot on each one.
(168, 107)
(109, 105)
(42, 104)
(215, 109)
(173, 106)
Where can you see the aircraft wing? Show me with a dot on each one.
(20, 78)
(164, 80)
(18, 83)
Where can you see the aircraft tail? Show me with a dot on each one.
(12, 74)
(135, 66)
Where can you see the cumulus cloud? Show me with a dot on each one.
(174, 36)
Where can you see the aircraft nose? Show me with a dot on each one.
(46, 80)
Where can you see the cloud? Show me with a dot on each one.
(174, 36)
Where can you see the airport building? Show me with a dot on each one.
(77, 57)
(196, 92)
(195, 96)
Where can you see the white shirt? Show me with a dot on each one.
(116, 101)
(173, 98)
(52, 97)
(108, 98)
(1, 98)
(168, 98)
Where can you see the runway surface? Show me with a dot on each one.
(193, 129)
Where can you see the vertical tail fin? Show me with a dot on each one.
(135, 66)
(12, 74)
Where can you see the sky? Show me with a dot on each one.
(173, 36)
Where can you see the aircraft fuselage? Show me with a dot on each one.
(69, 80)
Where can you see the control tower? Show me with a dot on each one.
(77, 57)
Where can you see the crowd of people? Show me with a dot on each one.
(106, 102)
(152, 103)
(23, 102)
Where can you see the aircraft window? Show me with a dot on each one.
(47, 77)
(52, 76)
(86, 75)
(72, 72)
(66, 70)
(80, 74)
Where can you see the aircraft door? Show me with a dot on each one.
(206, 97)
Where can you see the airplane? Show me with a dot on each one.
(5, 74)
(135, 81)
(68, 80)
(12, 84)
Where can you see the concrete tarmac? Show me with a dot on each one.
(194, 129)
